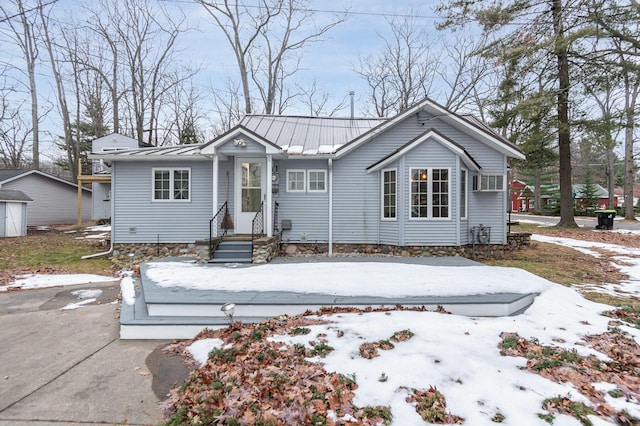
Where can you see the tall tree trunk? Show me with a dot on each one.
(629, 166)
(537, 190)
(632, 90)
(62, 100)
(28, 45)
(611, 178)
(567, 219)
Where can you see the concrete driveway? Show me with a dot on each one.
(63, 367)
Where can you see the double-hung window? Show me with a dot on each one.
(463, 193)
(296, 180)
(317, 180)
(430, 193)
(172, 184)
(389, 194)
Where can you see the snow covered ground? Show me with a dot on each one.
(459, 355)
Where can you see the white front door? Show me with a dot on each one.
(251, 181)
(13, 221)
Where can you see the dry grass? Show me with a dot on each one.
(566, 266)
(52, 251)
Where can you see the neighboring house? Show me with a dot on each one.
(422, 178)
(55, 200)
(519, 203)
(550, 193)
(100, 177)
(619, 192)
(13, 213)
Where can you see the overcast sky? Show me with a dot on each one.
(330, 62)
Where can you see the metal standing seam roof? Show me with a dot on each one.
(153, 152)
(298, 135)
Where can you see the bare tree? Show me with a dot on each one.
(616, 39)
(23, 31)
(405, 69)
(182, 124)
(140, 66)
(15, 133)
(317, 101)
(228, 106)
(56, 62)
(463, 72)
(267, 41)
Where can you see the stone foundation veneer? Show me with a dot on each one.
(266, 249)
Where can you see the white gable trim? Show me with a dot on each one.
(459, 122)
(431, 134)
(237, 133)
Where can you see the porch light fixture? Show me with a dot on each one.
(227, 309)
(240, 142)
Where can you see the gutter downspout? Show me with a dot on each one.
(104, 253)
(330, 164)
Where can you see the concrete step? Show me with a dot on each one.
(222, 261)
(233, 252)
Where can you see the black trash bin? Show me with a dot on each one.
(605, 219)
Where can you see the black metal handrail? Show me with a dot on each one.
(216, 223)
(276, 228)
(257, 224)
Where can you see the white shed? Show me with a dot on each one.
(13, 213)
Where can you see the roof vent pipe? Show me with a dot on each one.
(352, 93)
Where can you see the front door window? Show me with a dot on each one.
(251, 186)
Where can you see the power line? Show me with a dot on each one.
(345, 12)
(24, 12)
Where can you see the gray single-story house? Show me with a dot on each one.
(13, 213)
(425, 177)
(55, 200)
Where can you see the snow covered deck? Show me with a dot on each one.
(178, 299)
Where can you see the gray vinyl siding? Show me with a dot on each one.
(308, 211)
(489, 209)
(357, 195)
(3, 218)
(137, 219)
(113, 141)
(252, 147)
(54, 202)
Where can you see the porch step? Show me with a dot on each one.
(233, 251)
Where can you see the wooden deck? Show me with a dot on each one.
(178, 313)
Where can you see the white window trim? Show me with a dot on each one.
(466, 192)
(324, 171)
(430, 195)
(170, 170)
(388, 219)
(304, 183)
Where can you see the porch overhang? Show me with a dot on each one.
(236, 135)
